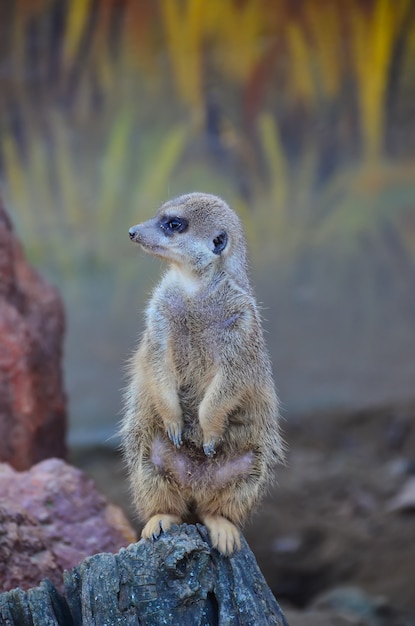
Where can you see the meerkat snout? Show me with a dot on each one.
(133, 231)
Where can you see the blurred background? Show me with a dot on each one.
(300, 113)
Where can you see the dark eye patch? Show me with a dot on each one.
(171, 225)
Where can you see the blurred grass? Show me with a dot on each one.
(108, 108)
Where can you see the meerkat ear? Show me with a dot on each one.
(220, 242)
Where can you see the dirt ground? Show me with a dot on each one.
(335, 538)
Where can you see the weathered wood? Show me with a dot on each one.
(177, 580)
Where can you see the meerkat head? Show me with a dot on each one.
(198, 233)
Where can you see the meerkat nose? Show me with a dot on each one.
(133, 232)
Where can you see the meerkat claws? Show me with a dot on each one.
(158, 524)
(209, 449)
(224, 535)
(174, 432)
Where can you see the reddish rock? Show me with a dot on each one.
(52, 517)
(32, 399)
(25, 555)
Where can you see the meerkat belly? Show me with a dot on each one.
(191, 469)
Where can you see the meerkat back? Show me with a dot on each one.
(200, 431)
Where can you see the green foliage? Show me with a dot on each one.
(110, 116)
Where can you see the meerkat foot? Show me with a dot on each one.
(224, 535)
(174, 432)
(159, 523)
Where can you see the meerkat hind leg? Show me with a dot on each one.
(159, 523)
(224, 535)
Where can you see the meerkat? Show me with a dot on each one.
(200, 432)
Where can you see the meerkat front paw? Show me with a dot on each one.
(210, 445)
(211, 437)
(174, 433)
(224, 535)
(159, 523)
(209, 448)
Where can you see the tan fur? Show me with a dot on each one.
(200, 431)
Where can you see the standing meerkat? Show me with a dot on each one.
(200, 431)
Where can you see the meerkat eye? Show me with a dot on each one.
(220, 242)
(172, 225)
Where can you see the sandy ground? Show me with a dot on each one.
(335, 538)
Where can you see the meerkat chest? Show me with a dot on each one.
(192, 323)
(191, 330)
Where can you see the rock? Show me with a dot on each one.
(405, 499)
(353, 604)
(177, 579)
(315, 618)
(26, 555)
(302, 560)
(32, 399)
(52, 517)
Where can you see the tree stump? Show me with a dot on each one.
(177, 580)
